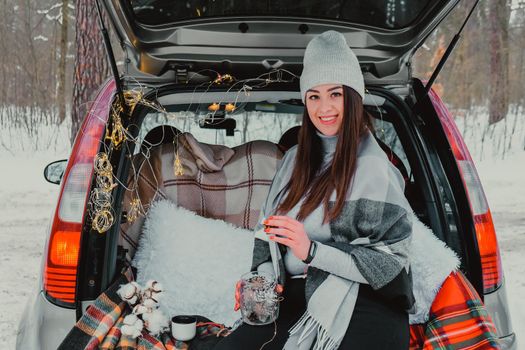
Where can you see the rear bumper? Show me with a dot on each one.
(43, 325)
(509, 342)
(498, 308)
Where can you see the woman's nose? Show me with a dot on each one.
(325, 105)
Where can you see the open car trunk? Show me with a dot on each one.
(266, 114)
(168, 41)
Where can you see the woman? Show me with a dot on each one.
(337, 223)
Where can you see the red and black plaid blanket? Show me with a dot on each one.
(458, 320)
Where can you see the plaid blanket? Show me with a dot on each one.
(100, 327)
(458, 320)
(218, 182)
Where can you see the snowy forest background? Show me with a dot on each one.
(49, 69)
(52, 59)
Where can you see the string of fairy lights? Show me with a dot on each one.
(101, 212)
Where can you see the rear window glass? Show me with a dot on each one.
(254, 121)
(378, 13)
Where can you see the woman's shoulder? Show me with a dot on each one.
(370, 156)
(373, 165)
(291, 151)
(284, 169)
(289, 156)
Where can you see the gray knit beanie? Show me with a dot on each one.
(329, 60)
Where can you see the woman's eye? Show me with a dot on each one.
(336, 94)
(313, 97)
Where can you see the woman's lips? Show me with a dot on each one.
(328, 120)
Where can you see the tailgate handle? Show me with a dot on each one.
(272, 63)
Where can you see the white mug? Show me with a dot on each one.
(183, 327)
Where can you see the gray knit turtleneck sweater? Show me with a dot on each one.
(327, 258)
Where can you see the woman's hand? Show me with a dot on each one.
(289, 232)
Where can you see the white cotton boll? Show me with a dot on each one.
(138, 288)
(132, 326)
(147, 294)
(152, 288)
(128, 293)
(150, 303)
(156, 322)
(127, 330)
(158, 287)
(157, 295)
(130, 331)
(125, 291)
(150, 284)
(130, 319)
(140, 309)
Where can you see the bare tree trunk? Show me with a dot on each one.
(61, 94)
(499, 22)
(91, 65)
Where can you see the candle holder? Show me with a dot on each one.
(258, 299)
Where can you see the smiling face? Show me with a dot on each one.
(325, 106)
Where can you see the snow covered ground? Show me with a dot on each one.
(27, 200)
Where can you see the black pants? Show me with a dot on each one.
(374, 324)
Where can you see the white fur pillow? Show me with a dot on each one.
(198, 261)
(431, 262)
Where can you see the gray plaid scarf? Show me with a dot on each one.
(374, 228)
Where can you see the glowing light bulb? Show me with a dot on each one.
(214, 107)
(230, 107)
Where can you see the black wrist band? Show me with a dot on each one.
(311, 252)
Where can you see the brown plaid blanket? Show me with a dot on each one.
(458, 320)
(218, 182)
(100, 327)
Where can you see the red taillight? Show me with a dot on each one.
(489, 252)
(485, 233)
(63, 250)
(63, 246)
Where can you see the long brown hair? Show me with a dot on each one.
(304, 179)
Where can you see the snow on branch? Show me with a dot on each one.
(40, 37)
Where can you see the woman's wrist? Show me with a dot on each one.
(311, 252)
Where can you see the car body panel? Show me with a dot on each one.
(497, 305)
(43, 325)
